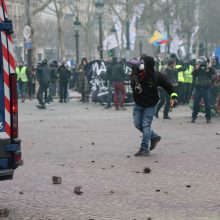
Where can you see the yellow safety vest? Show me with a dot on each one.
(180, 74)
(22, 74)
(188, 74)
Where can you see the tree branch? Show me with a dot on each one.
(42, 7)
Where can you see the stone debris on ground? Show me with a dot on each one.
(4, 213)
(147, 170)
(56, 180)
(77, 190)
(112, 191)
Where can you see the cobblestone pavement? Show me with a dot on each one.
(91, 147)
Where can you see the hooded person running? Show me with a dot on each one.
(145, 82)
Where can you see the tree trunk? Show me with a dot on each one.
(61, 48)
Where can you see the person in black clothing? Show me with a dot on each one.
(202, 83)
(171, 74)
(118, 77)
(64, 75)
(145, 93)
(43, 77)
(216, 87)
(53, 80)
(109, 83)
(31, 74)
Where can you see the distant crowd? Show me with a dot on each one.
(46, 81)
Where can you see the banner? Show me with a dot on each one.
(98, 83)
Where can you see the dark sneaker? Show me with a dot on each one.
(107, 107)
(167, 117)
(193, 120)
(208, 121)
(154, 142)
(142, 153)
(41, 106)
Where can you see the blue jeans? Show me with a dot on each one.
(206, 95)
(143, 117)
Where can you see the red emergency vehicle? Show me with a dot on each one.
(10, 152)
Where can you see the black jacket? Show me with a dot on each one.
(117, 72)
(203, 78)
(64, 74)
(43, 74)
(149, 84)
(172, 75)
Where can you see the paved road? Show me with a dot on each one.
(91, 147)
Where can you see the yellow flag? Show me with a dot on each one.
(157, 36)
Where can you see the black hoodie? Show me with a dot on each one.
(149, 81)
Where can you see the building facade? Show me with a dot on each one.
(16, 11)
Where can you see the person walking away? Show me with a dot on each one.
(171, 74)
(202, 84)
(145, 93)
(43, 77)
(118, 77)
(64, 75)
(82, 78)
(22, 80)
(31, 73)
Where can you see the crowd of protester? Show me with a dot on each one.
(48, 80)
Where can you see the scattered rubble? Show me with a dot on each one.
(4, 213)
(56, 180)
(112, 191)
(77, 190)
(147, 170)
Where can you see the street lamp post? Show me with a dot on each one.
(140, 34)
(140, 48)
(99, 4)
(113, 31)
(77, 24)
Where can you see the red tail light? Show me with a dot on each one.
(17, 158)
(14, 106)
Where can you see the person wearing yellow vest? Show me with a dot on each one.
(180, 87)
(180, 69)
(22, 80)
(188, 81)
